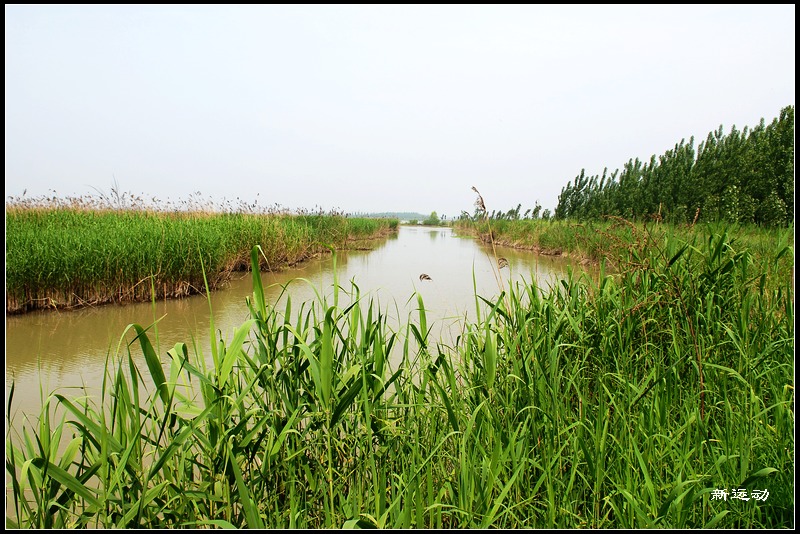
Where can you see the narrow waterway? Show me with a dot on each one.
(48, 351)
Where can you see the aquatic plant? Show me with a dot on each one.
(579, 407)
(67, 253)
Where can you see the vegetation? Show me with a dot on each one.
(743, 177)
(631, 401)
(510, 215)
(661, 396)
(432, 220)
(594, 241)
(68, 253)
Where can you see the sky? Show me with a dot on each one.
(375, 108)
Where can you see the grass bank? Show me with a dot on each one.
(637, 401)
(594, 241)
(67, 256)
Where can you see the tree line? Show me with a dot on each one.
(745, 176)
(510, 215)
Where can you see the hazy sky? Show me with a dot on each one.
(375, 108)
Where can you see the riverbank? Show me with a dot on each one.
(591, 242)
(64, 257)
(629, 401)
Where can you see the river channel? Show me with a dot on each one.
(65, 350)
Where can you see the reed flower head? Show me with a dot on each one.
(479, 202)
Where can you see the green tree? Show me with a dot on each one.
(772, 211)
(433, 220)
(744, 176)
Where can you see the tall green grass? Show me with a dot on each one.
(619, 403)
(68, 257)
(597, 240)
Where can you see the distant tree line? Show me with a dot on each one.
(745, 177)
(510, 215)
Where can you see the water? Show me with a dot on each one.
(47, 351)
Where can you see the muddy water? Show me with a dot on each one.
(47, 351)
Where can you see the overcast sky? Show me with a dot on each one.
(375, 108)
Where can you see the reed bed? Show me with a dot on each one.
(596, 241)
(629, 402)
(61, 255)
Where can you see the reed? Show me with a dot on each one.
(597, 241)
(576, 406)
(64, 256)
